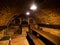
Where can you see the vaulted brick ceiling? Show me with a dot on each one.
(10, 8)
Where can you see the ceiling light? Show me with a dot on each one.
(27, 13)
(33, 7)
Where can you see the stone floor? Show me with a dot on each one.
(20, 39)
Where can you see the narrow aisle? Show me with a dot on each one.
(20, 39)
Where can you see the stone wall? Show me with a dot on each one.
(49, 17)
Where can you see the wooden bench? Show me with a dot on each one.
(36, 40)
(50, 37)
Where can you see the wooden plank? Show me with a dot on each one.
(52, 38)
(36, 40)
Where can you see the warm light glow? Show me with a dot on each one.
(47, 23)
(10, 38)
(33, 7)
(27, 13)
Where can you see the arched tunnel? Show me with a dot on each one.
(29, 22)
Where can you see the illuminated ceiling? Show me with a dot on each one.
(10, 8)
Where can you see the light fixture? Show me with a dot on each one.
(33, 7)
(27, 13)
